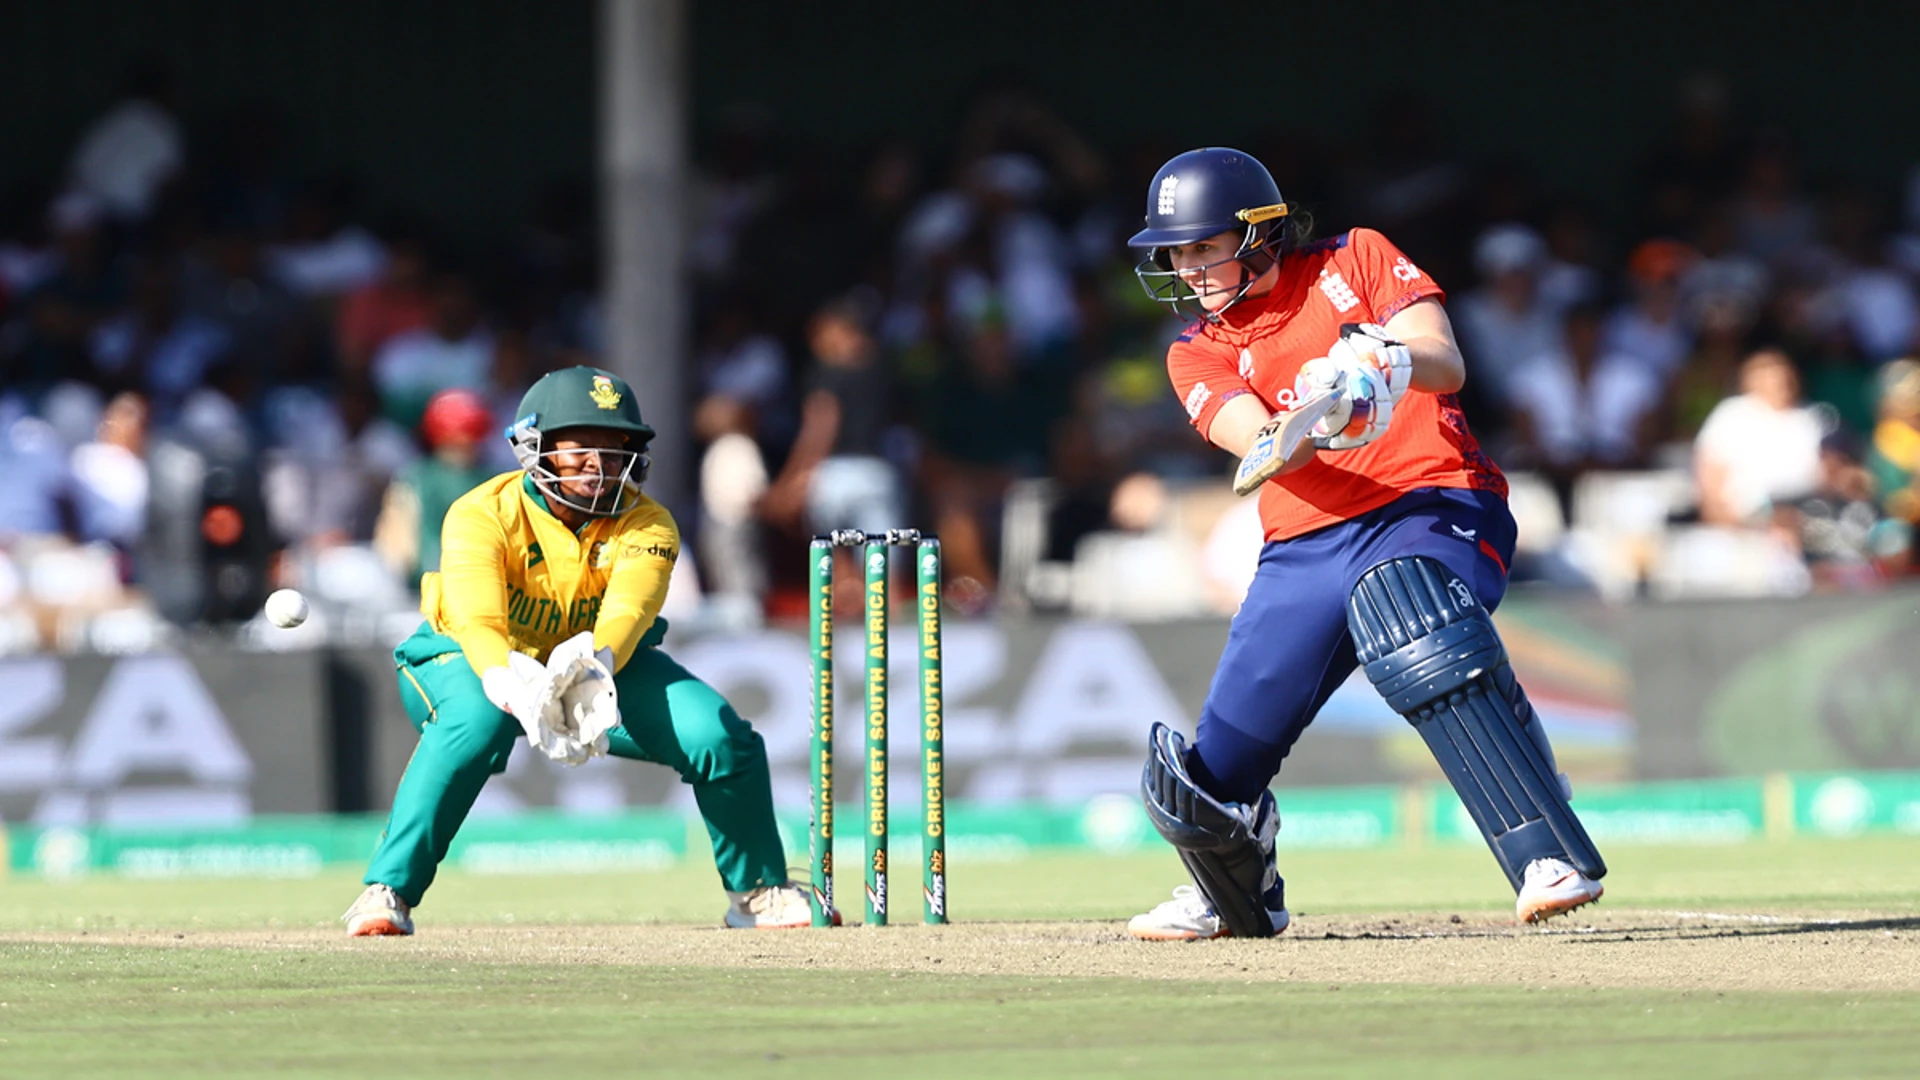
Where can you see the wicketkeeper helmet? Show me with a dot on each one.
(583, 397)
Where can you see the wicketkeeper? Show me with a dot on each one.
(543, 623)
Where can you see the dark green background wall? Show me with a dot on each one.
(463, 109)
(457, 110)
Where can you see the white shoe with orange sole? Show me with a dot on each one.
(379, 913)
(1553, 887)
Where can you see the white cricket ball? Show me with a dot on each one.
(286, 608)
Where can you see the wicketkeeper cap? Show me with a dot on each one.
(578, 397)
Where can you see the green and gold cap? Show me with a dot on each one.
(580, 397)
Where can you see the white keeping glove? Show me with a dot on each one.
(589, 706)
(525, 689)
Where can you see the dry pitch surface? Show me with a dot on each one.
(1671, 950)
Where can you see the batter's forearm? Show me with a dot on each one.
(1437, 366)
(1237, 422)
(1428, 335)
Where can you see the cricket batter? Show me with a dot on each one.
(566, 546)
(1388, 540)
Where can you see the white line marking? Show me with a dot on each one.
(1750, 918)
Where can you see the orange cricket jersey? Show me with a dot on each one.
(1261, 343)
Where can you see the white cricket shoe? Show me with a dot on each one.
(1187, 917)
(771, 907)
(1553, 887)
(379, 913)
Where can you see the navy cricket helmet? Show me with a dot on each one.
(1205, 193)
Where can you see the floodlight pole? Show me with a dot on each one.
(642, 46)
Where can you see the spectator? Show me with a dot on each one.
(838, 476)
(1029, 270)
(1504, 323)
(1875, 299)
(397, 302)
(110, 476)
(1905, 248)
(733, 480)
(269, 332)
(1722, 323)
(1694, 167)
(1838, 526)
(330, 471)
(1231, 555)
(1719, 266)
(1580, 407)
(127, 156)
(1758, 448)
(987, 428)
(745, 363)
(454, 350)
(156, 348)
(1571, 274)
(1820, 339)
(455, 425)
(67, 306)
(512, 372)
(37, 499)
(1894, 459)
(322, 254)
(1651, 328)
(1773, 219)
(1083, 485)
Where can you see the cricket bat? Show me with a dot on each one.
(1278, 440)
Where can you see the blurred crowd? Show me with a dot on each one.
(208, 364)
(218, 376)
(903, 336)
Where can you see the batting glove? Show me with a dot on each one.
(1366, 405)
(1368, 343)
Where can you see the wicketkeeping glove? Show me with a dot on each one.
(566, 706)
(524, 688)
(589, 706)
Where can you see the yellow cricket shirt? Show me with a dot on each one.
(513, 577)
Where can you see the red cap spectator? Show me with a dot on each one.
(1660, 261)
(455, 416)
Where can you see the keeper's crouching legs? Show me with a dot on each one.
(464, 739)
(670, 717)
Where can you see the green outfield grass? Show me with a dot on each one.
(72, 1008)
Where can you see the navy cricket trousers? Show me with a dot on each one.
(1289, 649)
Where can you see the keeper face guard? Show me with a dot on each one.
(1261, 246)
(612, 476)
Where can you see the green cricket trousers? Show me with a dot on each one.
(667, 716)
